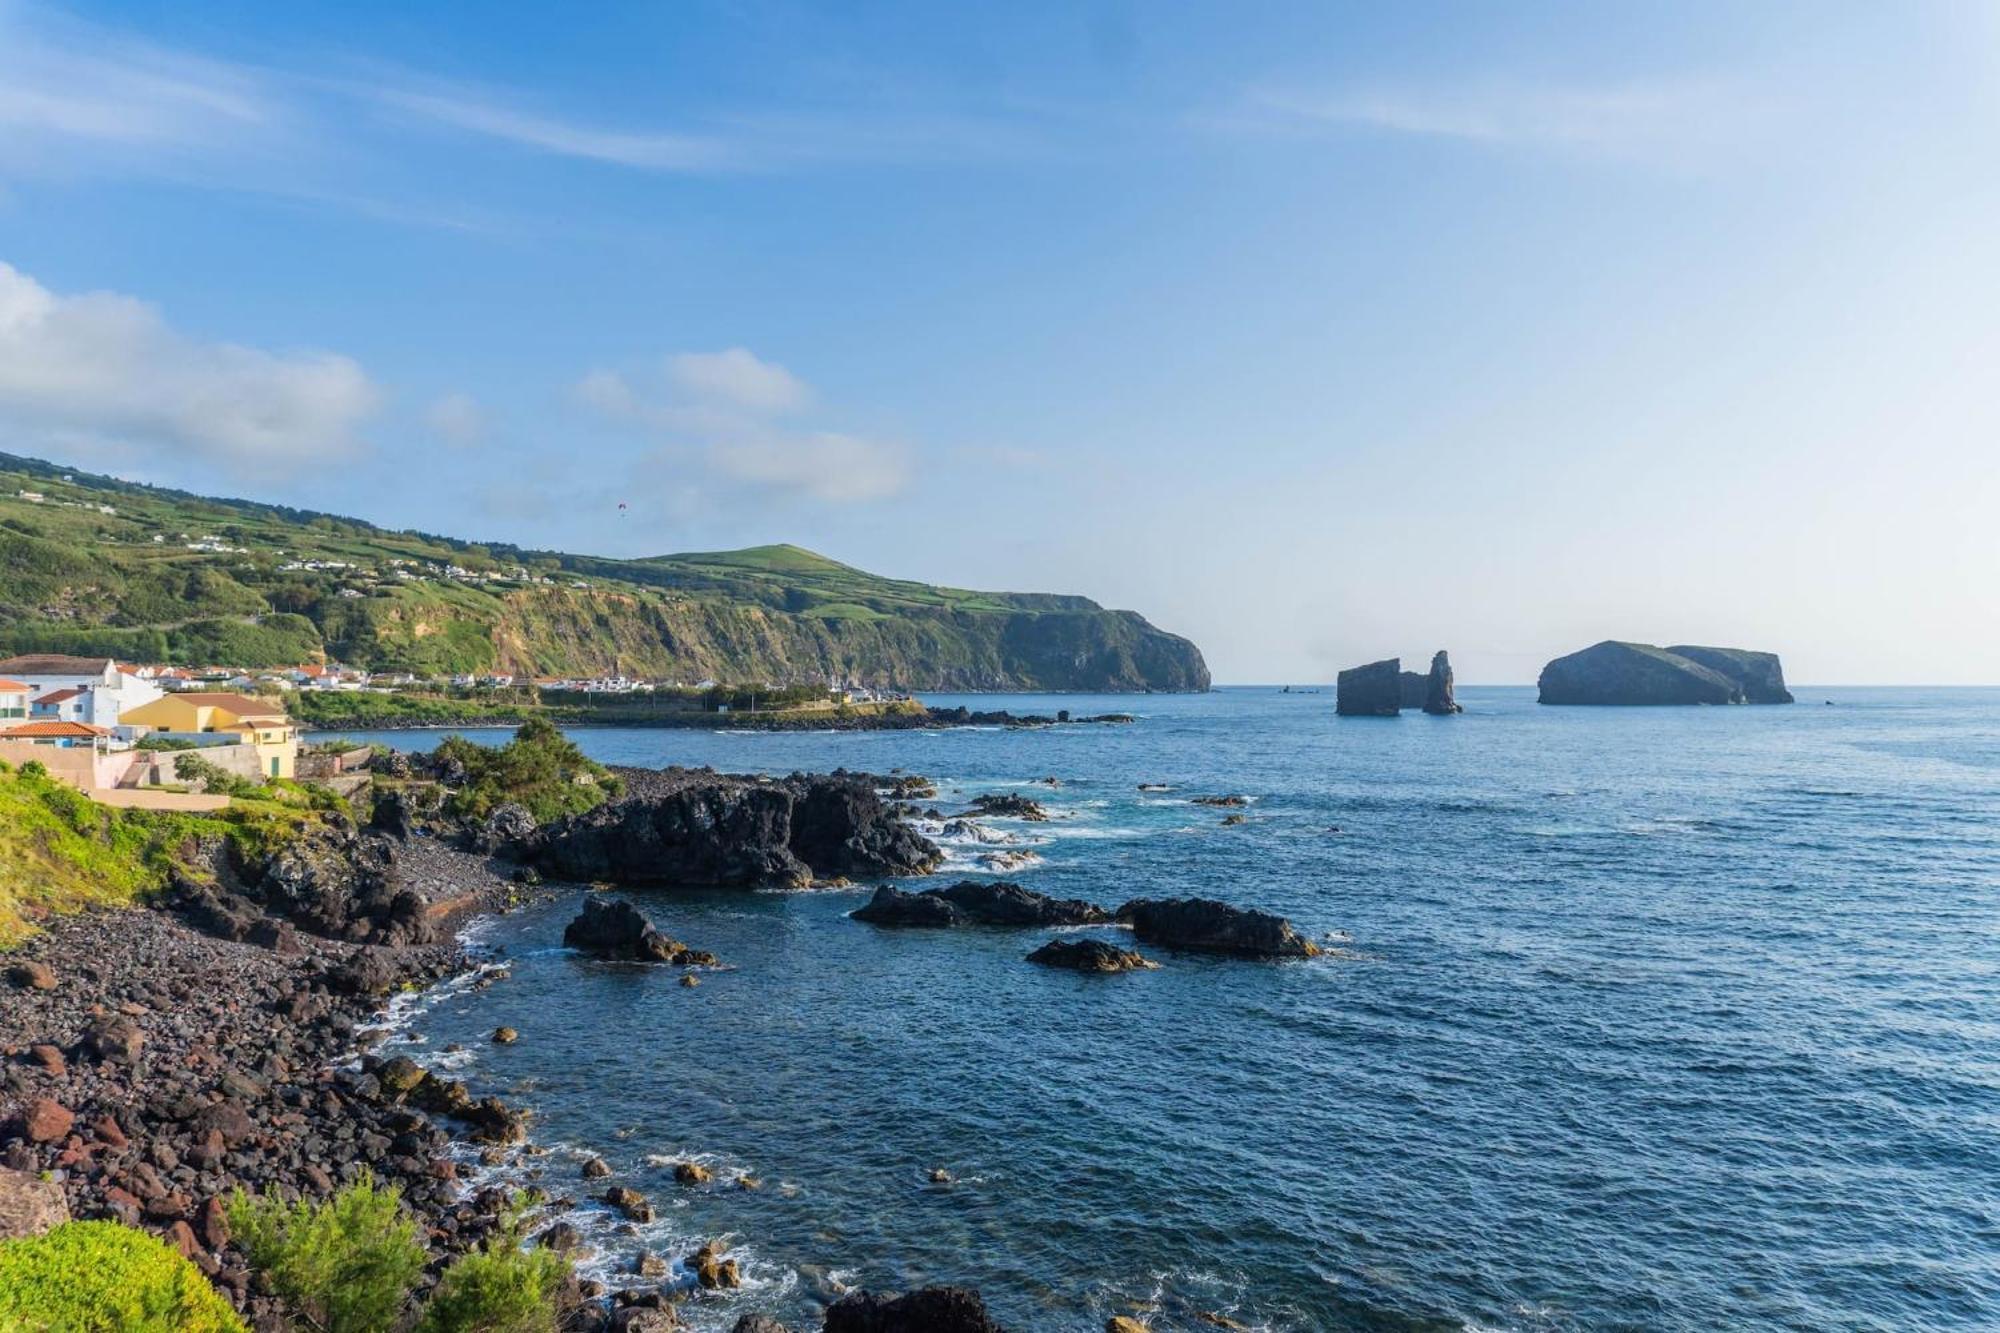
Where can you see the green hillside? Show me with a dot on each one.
(96, 565)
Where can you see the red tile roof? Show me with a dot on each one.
(59, 696)
(52, 731)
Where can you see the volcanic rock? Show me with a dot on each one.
(1206, 925)
(926, 1310)
(1639, 673)
(1095, 956)
(29, 1205)
(977, 903)
(1439, 699)
(616, 929)
(1374, 690)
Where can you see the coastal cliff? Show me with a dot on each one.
(98, 566)
(1618, 673)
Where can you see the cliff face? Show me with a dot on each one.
(108, 568)
(1639, 673)
(1759, 675)
(1373, 690)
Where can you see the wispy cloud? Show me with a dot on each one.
(727, 414)
(107, 371)
(66, 87)
(1668, 120)
(650, 149)
(457, 419)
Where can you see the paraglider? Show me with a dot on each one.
(621, 508)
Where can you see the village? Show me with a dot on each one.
(117, 731)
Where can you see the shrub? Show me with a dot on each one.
(347, 1264)
(540, 768)
(101, 1277)
(500, 1288)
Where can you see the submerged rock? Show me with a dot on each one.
(1210, 926)
(977, 903)
(927, 1310)
(1089, 956)
(1638, 673)
(615, 929)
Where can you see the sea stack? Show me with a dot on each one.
(1374, 690)
(1618, 673)
(1438, 699)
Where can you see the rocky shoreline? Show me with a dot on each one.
(155, 1059)
(930, 719)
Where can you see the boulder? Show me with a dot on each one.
(45, 1121)
(510, 827)
(30, 975)
(926, 1310)
(1374, 690)
(758, 1323)
(1615, 673)
(615, 929)
(629, 1202)
(977, 903)
(692, 1173)
(115, 1038)
(1439, 699)
(1096, 956)
(1209, 926)
(505, 1036)
(712, 1270)
(29, 1205)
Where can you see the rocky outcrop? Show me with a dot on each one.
(617, 930)
(1094, 956)
(927, 1310)
(1209, 926)
(1759, 675)
(1439, 696)
(977, 903)
(687, 827)
(1374, 690)
(1009, 805)
(1618, 673)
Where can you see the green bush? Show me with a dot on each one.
(101, 1277)
(540, 768)
(347, 1265)
(500, 1288)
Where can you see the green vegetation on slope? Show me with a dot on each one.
(168, 576)
(61, 852)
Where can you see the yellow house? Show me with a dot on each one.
(253, 721)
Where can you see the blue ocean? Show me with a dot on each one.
(1630, 1019)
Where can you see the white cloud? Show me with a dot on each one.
(457, 419)
(1668, 119)
(727, 409)
(108, 369)
(736, 378)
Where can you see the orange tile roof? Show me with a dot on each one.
(14, 687)
(52, 731)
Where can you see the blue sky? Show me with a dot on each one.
(1315, 332)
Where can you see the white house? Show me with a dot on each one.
(105, 690)
(14, 697)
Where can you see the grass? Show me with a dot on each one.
(61, 852)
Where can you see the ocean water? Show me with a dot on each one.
(1635, 1019)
